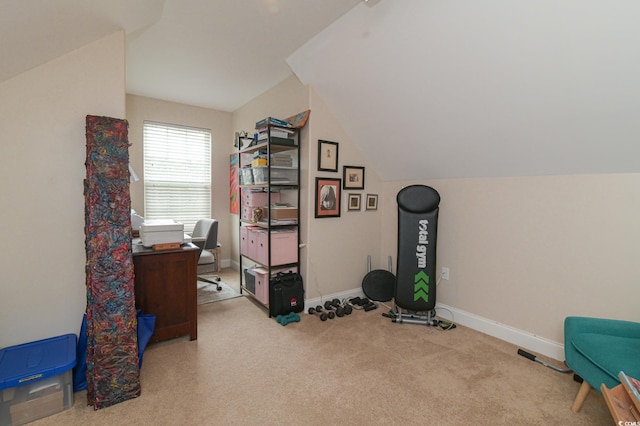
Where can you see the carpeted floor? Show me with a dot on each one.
(208, 293)
(246, 369)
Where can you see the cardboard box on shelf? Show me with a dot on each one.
(279, 212)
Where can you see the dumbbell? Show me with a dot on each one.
(358, 302)
(362, 303)
(330, 313)
(334, 305)
(342, 306)
(323, 316)
(370, 306)
(286, 319)
(345, 306)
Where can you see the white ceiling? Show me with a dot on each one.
(212, 53)
(467, 88)
(223, 53)
(33, 32)
(425, 88)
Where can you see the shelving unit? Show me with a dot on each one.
(269, 203)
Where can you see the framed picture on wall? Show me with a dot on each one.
(372, 202)
(327, 197)
(354, 202)
(327, 156)
(353, 177)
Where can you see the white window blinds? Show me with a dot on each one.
(177, 173)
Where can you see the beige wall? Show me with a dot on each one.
(42, 155)
(338, 247)
(140, 108)
(285, 99)
(526, 252)
(523, 252)
(334, 258)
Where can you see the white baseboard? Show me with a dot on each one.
(520, 338)
(523, 339)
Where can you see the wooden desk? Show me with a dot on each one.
(166, 286)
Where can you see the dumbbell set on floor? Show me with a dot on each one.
(340, 308)
(331, 309)
(320, 313)
(362, 303)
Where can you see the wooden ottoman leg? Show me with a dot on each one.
(582, 395)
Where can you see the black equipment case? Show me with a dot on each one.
(286, 294)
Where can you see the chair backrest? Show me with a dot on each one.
(207, 229)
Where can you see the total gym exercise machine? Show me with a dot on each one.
(415, 289)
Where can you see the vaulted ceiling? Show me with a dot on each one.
(467, 88)
(425, 88)
(223, 53)
(211, 53)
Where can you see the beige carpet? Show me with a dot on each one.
(246, 369)
(208, 293)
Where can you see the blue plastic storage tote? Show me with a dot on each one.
(35, 379)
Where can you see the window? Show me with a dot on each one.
(177, 173)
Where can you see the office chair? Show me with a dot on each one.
(205, 236)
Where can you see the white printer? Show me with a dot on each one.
(161, 231)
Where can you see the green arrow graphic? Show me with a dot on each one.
(421, 287)
(421, 294)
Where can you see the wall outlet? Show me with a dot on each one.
(445, 273)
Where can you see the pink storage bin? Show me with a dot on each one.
(252, 252)
(261, 290)
(262, 287)
(249, 242)
(259, 199)
(244, 241)
(284, 246)
(246, 212)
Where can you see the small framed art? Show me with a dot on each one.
(327, 197)
(327, 156)
(354, 202)
(372, 202)
(353, 177)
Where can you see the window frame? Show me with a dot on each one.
(177, 172)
